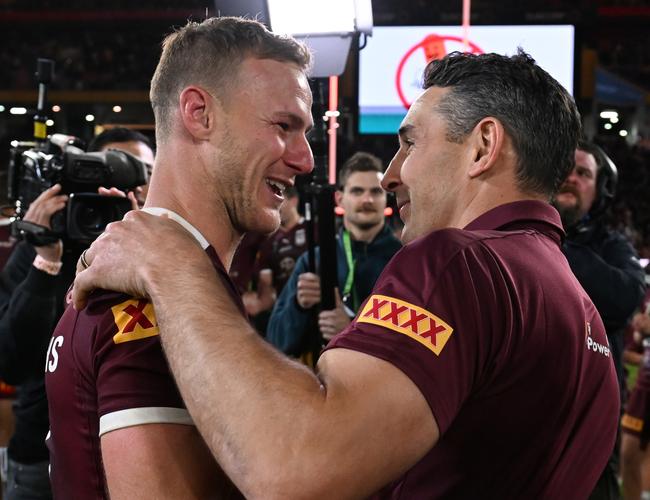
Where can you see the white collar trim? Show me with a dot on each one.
(186, 225)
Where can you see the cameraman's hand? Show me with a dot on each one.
(308, 290)
(40, 212)
(121, 194)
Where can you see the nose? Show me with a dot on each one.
(392, 178)
(367, 197)
(298, 154)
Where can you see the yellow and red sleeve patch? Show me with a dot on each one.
(413, 321)
(135, 320)
(632, 423)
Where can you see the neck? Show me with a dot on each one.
(168, 190)
(365, 235)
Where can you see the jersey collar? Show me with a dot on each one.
(186, 225)
(511, 214)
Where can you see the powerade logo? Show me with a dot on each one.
(592, 345)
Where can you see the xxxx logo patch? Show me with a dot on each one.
(135, 320)
(402, 317)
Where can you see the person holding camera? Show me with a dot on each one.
(33, 288)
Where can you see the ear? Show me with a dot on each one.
(338, 194)
(198, 111)
(487, 140)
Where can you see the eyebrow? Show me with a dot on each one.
(295, 121)
(405, 130)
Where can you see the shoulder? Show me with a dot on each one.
(113, 317)
(439, 248)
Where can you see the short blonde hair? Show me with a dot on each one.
(208, 54)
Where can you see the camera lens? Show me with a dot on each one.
(93, 219)
(89, 213)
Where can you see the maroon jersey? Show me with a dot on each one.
(509, 351)
(106, 370)
(280, 252)
(637, 409)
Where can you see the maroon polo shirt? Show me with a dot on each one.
(508, 350)
(106, 370)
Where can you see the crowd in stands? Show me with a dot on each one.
(631, 210)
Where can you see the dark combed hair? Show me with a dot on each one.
(118, 134)
(359, 162)
(208, 54)
(538, 114)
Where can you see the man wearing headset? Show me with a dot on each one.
(602, 259)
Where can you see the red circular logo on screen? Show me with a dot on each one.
(432, 47)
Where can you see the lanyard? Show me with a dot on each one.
(347, 246)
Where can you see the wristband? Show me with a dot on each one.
(47, 266)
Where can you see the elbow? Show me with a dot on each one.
(291, 472)
(282, 483)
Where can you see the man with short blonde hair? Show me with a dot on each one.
(119, 426)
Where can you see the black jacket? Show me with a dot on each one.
(31, 303)
(608, 268)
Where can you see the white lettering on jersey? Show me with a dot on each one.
(52, 360)
(594, 346)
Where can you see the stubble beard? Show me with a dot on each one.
(569, 215)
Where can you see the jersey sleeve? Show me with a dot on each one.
(438, 318)
(133, 381)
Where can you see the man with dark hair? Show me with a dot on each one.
(131, 141)
(33, 287)
(365, 244)
(232, 107)
(604, 262)
(477, 368)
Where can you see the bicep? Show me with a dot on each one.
(161, 461)
(385, 425)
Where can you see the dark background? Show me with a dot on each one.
(105, 53)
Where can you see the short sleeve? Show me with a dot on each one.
(438, 317)
(133, 381)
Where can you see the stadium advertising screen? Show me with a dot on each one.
(392, 63)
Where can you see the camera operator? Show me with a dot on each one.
(604, 262)
(33, 288)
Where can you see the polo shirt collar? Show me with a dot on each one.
(186, 225)
(511, 214)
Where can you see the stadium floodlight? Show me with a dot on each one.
(326, 26)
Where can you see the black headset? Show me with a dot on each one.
(606, 177)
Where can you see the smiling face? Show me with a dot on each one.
(262, 145)
(426, 173)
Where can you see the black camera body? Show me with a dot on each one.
(35, 167)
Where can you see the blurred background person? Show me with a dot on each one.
(276, 260)
(604, 262)
(365, 244)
